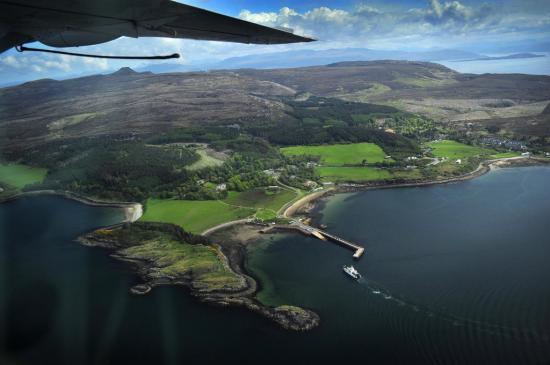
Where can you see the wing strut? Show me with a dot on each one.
(22, 48)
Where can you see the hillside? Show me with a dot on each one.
(345, 78)
(420, 87)
(129, 103)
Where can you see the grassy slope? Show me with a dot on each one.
(173, 257)
(362, 96)
(193, 216)
(196, 216)
(336, 174)
(205, 161)
(340, 154)
(176, 259)
(20, 175)
(424, 81)
(456, 150)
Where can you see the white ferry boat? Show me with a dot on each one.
(351, 271)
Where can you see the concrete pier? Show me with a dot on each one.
(319, 234)
(322, 235)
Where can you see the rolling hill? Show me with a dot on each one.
(128, 102)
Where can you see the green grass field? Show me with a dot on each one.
(456, 150)
(505, 155)
(266, 215)
(362, 174)
(193, 215)
(260, 198)
(19, 176)
(340, 154)
(338, 174)
(196, 216)
(205, 161)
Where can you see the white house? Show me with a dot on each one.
(221, 187)
(459, 161)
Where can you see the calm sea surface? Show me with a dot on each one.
(532, 66)
(454, 274)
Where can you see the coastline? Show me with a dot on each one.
(288, 317)
(309, 205)
(230, 241)
(132, 210)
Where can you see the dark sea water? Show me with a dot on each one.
(462, 271)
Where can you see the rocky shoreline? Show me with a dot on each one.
(241, 295)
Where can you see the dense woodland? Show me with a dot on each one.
(134, 169)
(326, 120)
(154, 165)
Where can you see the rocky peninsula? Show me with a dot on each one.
(165, 254)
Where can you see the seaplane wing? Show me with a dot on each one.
(72, 23)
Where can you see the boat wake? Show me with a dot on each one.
(520, 334)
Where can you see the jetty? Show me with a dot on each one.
(320, 234)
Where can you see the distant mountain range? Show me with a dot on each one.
(305, 58)
(514, 56)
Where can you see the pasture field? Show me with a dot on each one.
(198, 215)
(19, 176)
(355, 174)
(194, 216)
(266, 215)
(505, 155)
(261, 198)
(457, 150)
(340, 154)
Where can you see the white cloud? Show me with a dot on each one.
(260, 18)
(441, 18)
(11, 61)
(98, 63)
(440, 23)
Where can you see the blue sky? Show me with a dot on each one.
(491, 26)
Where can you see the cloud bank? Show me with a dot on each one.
(480, 27)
